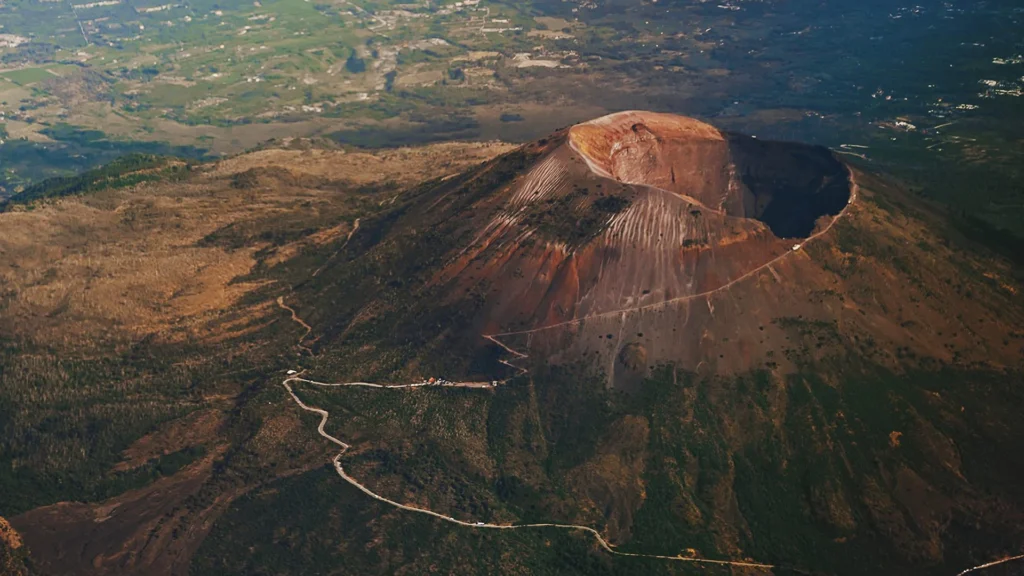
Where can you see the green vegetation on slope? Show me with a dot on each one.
(123, 172)
(315, 524)
(65, 421)
(875, 472)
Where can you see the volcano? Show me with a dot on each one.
(640, 239)
(693, 343)
(820, 355)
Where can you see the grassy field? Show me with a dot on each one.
(27, 76)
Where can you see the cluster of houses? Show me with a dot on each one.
(11, 40)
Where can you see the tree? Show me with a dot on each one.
(355, 64)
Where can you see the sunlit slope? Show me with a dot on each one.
(656, 235)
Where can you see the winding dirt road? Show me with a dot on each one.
(300, 321)
(608, 547)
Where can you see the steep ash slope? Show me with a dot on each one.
(642, 235)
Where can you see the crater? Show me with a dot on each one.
(787, 186)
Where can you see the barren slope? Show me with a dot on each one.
(655, 233)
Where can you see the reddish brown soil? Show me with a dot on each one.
(686, 272)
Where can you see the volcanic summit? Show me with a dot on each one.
(638, 239)
(786, 186)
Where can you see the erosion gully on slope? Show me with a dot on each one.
(854, 189)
